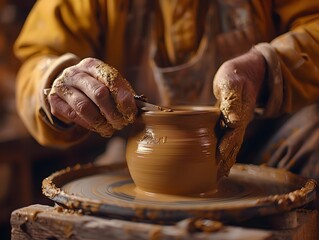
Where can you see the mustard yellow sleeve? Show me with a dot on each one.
(56, 34)
(298, 51)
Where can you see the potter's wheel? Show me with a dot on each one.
(249, 191)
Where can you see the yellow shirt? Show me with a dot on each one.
(139, 34)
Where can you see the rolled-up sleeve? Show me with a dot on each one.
(56, 34)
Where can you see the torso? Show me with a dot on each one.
(229, 30)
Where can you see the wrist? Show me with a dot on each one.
(259, 66)
(273, 82)
(262, 72)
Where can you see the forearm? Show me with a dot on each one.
(292, 78)
(298, 51)
(49, 32)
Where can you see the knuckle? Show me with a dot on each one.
(101, 91)
(80, 76)
(88, 62)
(71, 114)
(70, 71)
(82, 107)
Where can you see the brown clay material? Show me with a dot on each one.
(174, 152)
(296, 196)
(249, 191)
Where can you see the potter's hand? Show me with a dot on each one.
(237, 84)
(94, 96)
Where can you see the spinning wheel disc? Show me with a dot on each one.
(249, 191)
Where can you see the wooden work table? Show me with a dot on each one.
(45, 222)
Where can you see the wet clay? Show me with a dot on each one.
(174, 152)
(249, 191)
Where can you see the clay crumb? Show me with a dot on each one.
(63, 210)
(285, 200)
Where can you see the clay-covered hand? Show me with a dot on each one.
(93, 95)
(237, 85)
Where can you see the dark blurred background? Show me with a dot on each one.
(23, 162)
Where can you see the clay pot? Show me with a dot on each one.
(174, 152)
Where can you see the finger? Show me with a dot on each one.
(228, 148)
(100, 95)
(228, 91)
(231, 108)
(84, 108)
(64, 112)
(119, 88)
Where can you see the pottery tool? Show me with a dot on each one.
(140, 100)
(142, 103)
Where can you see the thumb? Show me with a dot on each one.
(231, 108)
(228, 148)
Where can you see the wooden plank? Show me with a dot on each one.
(307, 228)
(44, 222)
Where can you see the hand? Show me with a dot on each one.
(94, 96)
(237, 85)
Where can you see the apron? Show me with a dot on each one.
(190, 82)
(226, 22)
